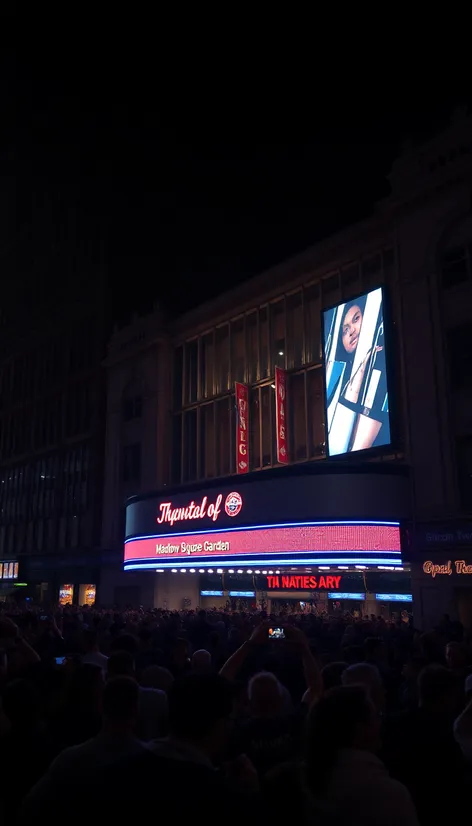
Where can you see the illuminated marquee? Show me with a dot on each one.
(298, 543)
(204, 509)
(303, 583)
(459, 566)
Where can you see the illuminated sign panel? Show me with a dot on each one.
(457, 566)
(339, 595)
(356, 381)
(302, 583)
(310, 542)
(394, 597)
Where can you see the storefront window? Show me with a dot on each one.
(66, 594)
(312, 308)
(277, 329)
(222, 359)
(207, 361)
(295, 330)
(207, 441)
(252, 347)
(315, 413)
(87, 594)
(297, 420)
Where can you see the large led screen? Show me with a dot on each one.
(350, 543)
(356, 381)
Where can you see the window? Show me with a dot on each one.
(277, 329)
(267, 403)
(255, 429)
(132, 408)
(178, 377)
(351, 281)
(460, 356)
(132, 463)
(176, 460)
(297, 421)
(264, 343)
(464, 467)
(331, 291)
(372, 272)
(224, 442)
(295, 330)
(252, 347)
(455, 266)
(207, 441)
(312, 324)
(207, 362)
(190, 446)
(222, 359)
(237, 351)
(315, 414)
(191, 371)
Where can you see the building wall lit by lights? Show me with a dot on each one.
(419, 246)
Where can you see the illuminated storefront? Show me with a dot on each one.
(290, 532)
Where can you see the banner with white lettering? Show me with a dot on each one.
(242, 427)
(281, 415)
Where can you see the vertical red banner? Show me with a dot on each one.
(242, 427)
(281, 415)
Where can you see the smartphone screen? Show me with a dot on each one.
(60, 660)
(276, 634)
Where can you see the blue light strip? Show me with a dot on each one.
(242, 593)
(259, 563)
(211, 593)
(336, 595)
(262, 527)
(394, 597)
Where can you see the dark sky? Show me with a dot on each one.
(189, 201)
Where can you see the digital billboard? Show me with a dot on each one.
(356, 381)
(276, 544)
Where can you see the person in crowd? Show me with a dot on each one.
(463, 723)
(78, 766)
(156, 676)
(201, 660)
(346, 781)
(152, 715)
(368, 676)
(92, 655)
(331, 675)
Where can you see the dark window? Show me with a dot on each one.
(207, 441)
(295, 330)
(267, 403)
(311, 303)
(264, 342)
(237, 351)
(252, 347)
(222, 359)
(176, 461)
(224, 442)
(460, 356)
(207, 362)
(190, 446)
(255, 429)
(464, 466)
(331, 291)
(297, 420)
(372, 272)
(132, 408)
(350, 281)
(315, 413)
(454, 266)
(178, 377)
(191, 371)
(132, 463)
(277, 330)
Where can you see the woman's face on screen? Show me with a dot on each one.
(352, 324)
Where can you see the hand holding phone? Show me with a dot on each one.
(276, 633)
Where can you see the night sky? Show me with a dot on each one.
(188, 203)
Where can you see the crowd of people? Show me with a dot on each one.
(180, 714)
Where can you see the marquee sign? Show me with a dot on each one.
(458, 566)
(314, 543)
(303, 583)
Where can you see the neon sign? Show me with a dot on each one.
(458, 567)
(211, 510)
(303, 583)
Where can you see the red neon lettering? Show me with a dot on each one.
(192, 511)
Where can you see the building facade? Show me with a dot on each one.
(418, 245)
